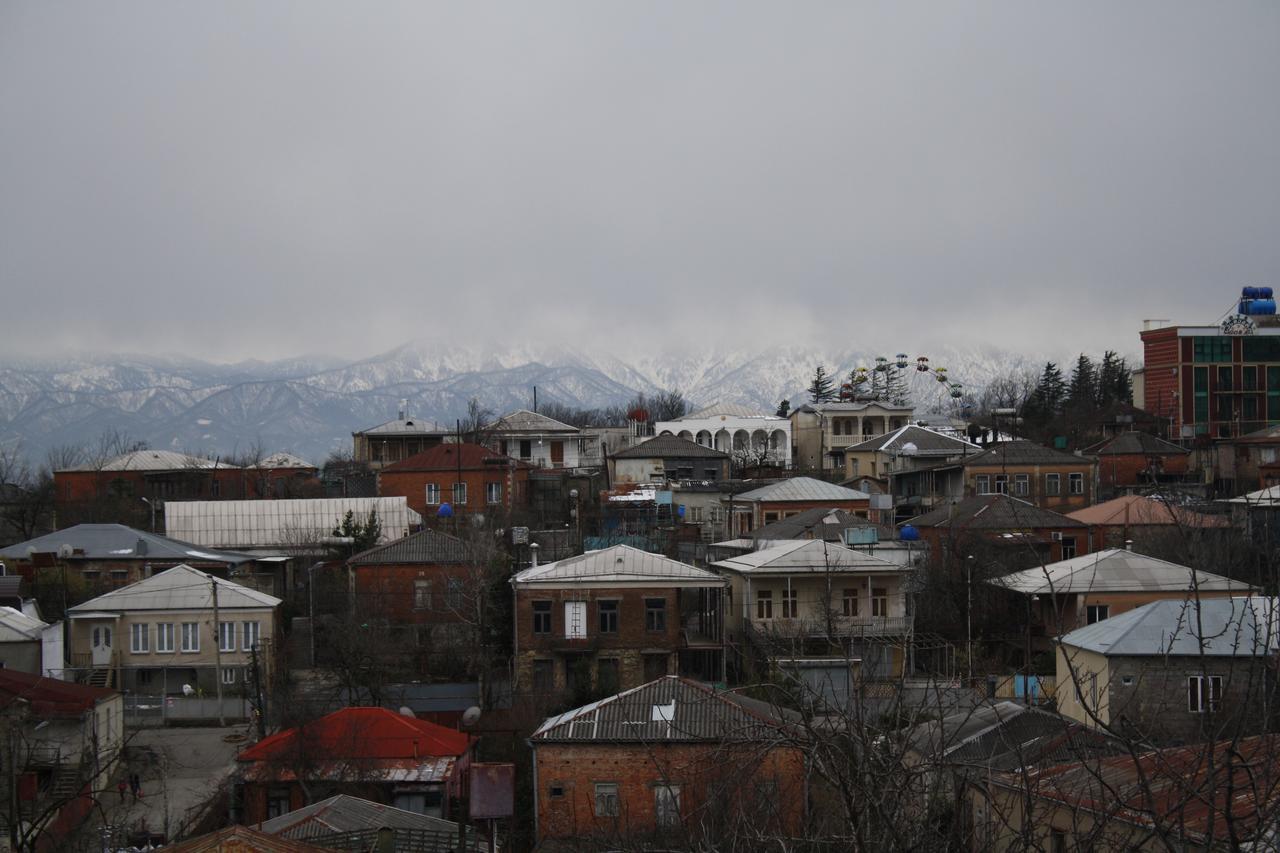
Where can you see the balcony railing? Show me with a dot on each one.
(837, 626)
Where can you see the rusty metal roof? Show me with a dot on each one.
(668, 709)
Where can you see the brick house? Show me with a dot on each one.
(1173, 671)
(668, 457)
(1250, 460)
(1136, 518)
(670, 756)
(1104, 584)
(1048, 478)
(1138, 459)
(614, 619)
(373, 753)
(470, 478)
(992, 523)
(786, 498)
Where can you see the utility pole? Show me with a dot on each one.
(217, 649)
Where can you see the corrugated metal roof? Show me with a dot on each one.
(994, 512)
(620, 564)
(806, 555)
(49, 697)
(524, 420)
(408, 426)
(668, 709)
(670, 447)
(365, 733)
(1021, 452)
(425, 546)
(818, 523)
(118, 542)
(1262, 499)
(1114, 570)
(281, 523)
(179, 588)
(1139, 444)
(1220, 627)
(1139, 510)
(1006, 735)
(18, 627)
(927, 442)
(242, 838)
(154, 460)
(344, 813)
(803, 489)
(283, 460)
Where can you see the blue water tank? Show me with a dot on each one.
(909, 534)
(445, 511)
(1260, 306)
(1265, 293)
(1249, 293)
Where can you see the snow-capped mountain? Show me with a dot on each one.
(311, 405)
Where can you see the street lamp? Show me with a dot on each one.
(577, 521)
(968, 632)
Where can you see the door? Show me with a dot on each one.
(557, 454)
(100, 642)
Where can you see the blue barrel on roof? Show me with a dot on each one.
(1249, 293)
(445, 511)
(908, 534)
(1258, 307)
(1265, 293)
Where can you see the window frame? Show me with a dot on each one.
(245, 631)
(1209, 700)
(1053, 484)
(982, 484)
(493, 493)
(1094, 613)
(880, 602)
(459, 489)
(1021, 485)
(422, 594)
(849, 602)
(542, 616)
(222, 646)
(790, 603)
(666, 814)
(612, 800)
(655, 615)
(432, 491)
(764, 604)
(1075, 483)
(165, 631)
(607, 610)
(145, 647)
(190, 638)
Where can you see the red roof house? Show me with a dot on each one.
(373, 753)
(468, 477)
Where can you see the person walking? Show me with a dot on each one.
(135, 785)
(120, 786)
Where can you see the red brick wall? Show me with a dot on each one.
(785, 508)
(713, 779)
(1125, 470)
(412, 485)
(1161, 357)
(631, 619)
(955, 542)
(389, 591)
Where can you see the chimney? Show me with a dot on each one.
(404, 406)
(533, 553)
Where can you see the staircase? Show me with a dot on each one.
(103, 677)
(65, 784)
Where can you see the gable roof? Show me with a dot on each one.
(1137, 510)
(18, 627)
(1229, 627)
(1023, 452)
(445, 457)
(49, 697)
(282, 459)
(858, 406)
(1114, 570)
(803, 489)
(179, 588)
(820, 521)
(619, 565)
(670, 708)
(407, 426)
(425, 546)
(118, 542)
(806, 555)
(155, 460)
(343, 813)
(241, 838)
(523, 420)
(669, 447)
(362, 732)
(1134, 443)
(994, 512)
(1261, 499)
(927, 442)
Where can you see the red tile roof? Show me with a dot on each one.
(444, 457)
(365, 733)
(49, 697)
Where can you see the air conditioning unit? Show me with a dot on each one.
(1056, 536)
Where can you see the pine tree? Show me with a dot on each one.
(895, 388)
(1082, 394)
(784, 408)
(1114, 383)
(821, 390)
(1046, 400)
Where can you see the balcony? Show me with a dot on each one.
(838, 626)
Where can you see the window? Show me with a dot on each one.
(542, 617)
(983, 484)
(764, 604)
(422, 594)
(608, 611)
(1249, 378)
(277, 801)
(433, 494)
(789, 609)
(1076, 483)
(1021, 485)
(191, 636)
(1053, 484)
(526, 448)
(544, 675)
(1204, 693)
(459, 493)
(1224, 379)
(164, 637)
(453, 594)
(770, 517)
(879, 602)
(226, 636)
(1002, 484)
(228, 674)
(1068, 547)
(575, 620)
(655, 614)
(1261, 349)
(607, 799)
(666, 799)
(1211, 349)
(849, 602)
(1057, 841)
(249, 635)
(144, 677)
(140, 639)
(493, 493)
(556, 791)
(1096, 613)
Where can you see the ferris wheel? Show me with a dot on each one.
(897, 379)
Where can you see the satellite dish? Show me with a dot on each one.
(406, 711)
(471, 716)
(65, 551)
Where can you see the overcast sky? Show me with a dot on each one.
(262, 179)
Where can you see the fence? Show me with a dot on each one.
(145, 711)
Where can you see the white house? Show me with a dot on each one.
(746, 435)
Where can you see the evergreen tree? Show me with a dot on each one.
(1046, 400)
(364, 535)
(1114, 383)
(784, 409)
(821, 390)
(1082, 394)
(895, 388)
